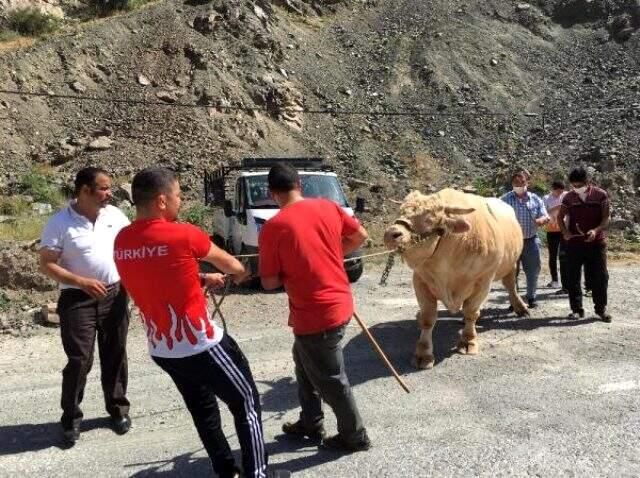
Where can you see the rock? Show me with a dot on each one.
(207, 23)
(521, 7)
(100, 143)
(143, 80)
(78, 87)
(49, 313)
(41, 208)
(123, 192)
(166, 96)
(494, 62)
(620, 224)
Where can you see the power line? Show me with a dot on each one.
(313, 111)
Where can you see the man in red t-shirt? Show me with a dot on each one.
(157, 261)
(586, 209)
(303, 248)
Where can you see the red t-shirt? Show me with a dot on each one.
(586, 215)
(303, 245)
(157, 263)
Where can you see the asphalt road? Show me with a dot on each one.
(545, 397)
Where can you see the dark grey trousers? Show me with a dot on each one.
(320, 372)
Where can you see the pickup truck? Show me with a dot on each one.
(242, 204)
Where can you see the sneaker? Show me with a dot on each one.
(605, 317)
(553, 284)
(337, 443)
(71, 435)
(297, 429)
(576, 315)
(532, 303)
(561, 292)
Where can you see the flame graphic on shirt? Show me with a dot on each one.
(182, 332)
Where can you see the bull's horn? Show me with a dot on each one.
(394, 201)
(458, 211)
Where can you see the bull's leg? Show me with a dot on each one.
(509, 282)
(468, 341)
(427, 317)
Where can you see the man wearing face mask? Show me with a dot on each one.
(531, 215)
(588, 210)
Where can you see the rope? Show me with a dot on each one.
(366, 256)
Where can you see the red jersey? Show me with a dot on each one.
(303, 245)
(157, 263)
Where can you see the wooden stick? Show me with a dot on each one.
(380, 352)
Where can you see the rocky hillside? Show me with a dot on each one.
(396, 94)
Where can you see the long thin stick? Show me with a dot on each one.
(380, 352)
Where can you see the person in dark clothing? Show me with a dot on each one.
(552, 202)
(587, 208)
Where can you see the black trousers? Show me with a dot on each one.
(554, 240)
(82, 318)
(321, 375)
(223, 372)
(594, 259)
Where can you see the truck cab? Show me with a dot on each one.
(242, 204)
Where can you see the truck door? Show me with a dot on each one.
(239, 224)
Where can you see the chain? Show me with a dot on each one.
(387, 269)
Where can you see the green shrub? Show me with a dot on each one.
(197, 214)
(39, 185)
(13, 206)
(26, 228)
(33, 22)
(483, 188)
(107, 7)
(4, 302)
(8, 35)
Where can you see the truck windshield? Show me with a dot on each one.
(313, 186)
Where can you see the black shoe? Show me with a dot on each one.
(121, 425)
(576, 315)
(532, 303)
(605, 317)
(337, 443)
(299, 430)
(561, 292)
(278, 473)
(71, 435)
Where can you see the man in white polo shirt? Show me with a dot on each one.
(77, 252)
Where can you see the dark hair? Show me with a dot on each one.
(283, 178)
(150, 182)
(557, 185)
(578, 175)
(87, 177)
(521, 173)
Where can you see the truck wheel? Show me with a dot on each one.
(250, 263)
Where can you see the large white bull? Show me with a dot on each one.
(457, 244)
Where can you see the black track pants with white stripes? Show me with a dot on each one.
(223, 372)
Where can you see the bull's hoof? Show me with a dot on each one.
(524, 312)
(423, 363)
(465, 348)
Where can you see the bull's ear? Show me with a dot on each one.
(458, 211)
(457, 225)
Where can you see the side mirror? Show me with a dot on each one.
(228, 209)
(359, 205)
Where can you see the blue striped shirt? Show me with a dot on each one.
(527, 211)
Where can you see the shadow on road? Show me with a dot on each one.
(16, 439)
(188, 466)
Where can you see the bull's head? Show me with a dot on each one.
(422, 217)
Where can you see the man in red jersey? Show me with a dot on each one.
(157, 261)
(302, 248)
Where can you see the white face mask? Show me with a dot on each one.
(581, 190)
(519, 189)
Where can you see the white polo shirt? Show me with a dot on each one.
(86, 248)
